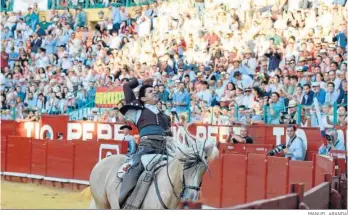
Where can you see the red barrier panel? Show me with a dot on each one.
(121, 149)
(301, 172)
(211, 186)
(277, 176)
(258, 148)
(86, 155)
(229, 148)
(60, 158)
(256, 177)
(18, 155)
(322, 165)
(8, 128)
(38, 157)
(3, 154)
(258, 134)
(234, 179)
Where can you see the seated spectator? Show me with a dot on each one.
(333, 142)
(295, 148)
(242, 138)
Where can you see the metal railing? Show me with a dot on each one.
(6, 5)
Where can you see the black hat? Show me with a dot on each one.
(126, 126)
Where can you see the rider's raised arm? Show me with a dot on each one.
(128, 89)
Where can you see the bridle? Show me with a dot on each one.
(190, 161)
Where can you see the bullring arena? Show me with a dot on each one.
(16, 195)
(262, 80)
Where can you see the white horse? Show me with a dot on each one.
(180, 179)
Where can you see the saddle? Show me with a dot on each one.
(152, 163)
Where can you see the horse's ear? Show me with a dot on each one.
(211, 151)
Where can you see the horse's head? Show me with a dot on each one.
(195, 155)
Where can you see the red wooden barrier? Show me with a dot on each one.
(322, 165)
(3, 154)
(258, 148)
(256, 177)
(60, 158)
(18, 158)
(318, 197)
(8, 128)
(229, 148)
(83, 166)
(38, 158)
(121, 147)
(301, 172)
(234, 180)
(258, 134)
(277, 176)
(211, 186)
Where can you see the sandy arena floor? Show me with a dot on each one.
(32, 196)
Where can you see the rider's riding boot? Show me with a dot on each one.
(129, 181)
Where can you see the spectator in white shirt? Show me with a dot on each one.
(243, 81)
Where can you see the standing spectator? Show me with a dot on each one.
(275, 107)
(163, 94)
(181, 99)
(4, 58)
(132, 147)
(32, 19)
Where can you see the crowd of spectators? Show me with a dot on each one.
(214, 61)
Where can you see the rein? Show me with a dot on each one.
(192, 161)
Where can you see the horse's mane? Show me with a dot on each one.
(192, 147)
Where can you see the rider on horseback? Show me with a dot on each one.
(153, 126)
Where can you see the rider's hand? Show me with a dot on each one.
(148, 81)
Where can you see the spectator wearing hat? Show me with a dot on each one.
(248, 98)
(132, 146)
(319, 93)
(249, 61)
(291, 116)
(237, 66)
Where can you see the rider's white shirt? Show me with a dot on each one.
(134, 115)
